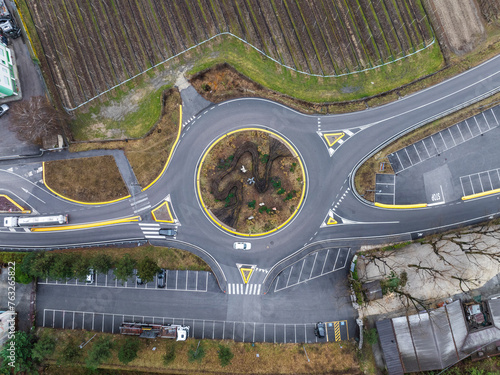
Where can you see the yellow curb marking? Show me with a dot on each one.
(332, 138)
(23, 211)
(401, 206)
(75, 201)
(170, 153)
(171, 220)
(296, 155)
(331, 221)
(483, 194)
(246, 273)
(91, 225)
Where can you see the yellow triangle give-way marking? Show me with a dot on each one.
(246, 273)
(332, 138)
(331, 221)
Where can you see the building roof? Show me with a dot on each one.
(434, 340)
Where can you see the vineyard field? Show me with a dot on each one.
(92, 45)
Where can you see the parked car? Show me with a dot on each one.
(242, 245)
(9, 28)
(319, 329)
(3, 108)
(139, 280)
(90, 276)
(161, 278)
(168, 232)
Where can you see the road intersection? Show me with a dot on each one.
(332, 216)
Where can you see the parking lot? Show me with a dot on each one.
(314, 265)
(444, 140)
(194, 281)
(480, 182)
(199, 329)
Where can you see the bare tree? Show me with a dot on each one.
(36, 118)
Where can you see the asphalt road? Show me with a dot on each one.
(329, 178)
(330, 172)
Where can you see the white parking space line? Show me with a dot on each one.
(487, 123)
(445, 145)
(461, 183)
(402, 166)
(324, 263)
(415, 147)
(477, 124)
(468, 127)
(460, 131)
(314, 263)
(336, 259)
(432, 139)
(494, 115)
(452, 138)
(470, 179)
(408, 155)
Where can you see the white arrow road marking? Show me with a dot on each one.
(33, 195)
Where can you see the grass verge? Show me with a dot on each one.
(166, 257)
(147, 155)
(271, 75)
(331, 358)
(95, 179)
(364, 180)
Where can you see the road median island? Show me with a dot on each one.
(94, 180)
(8, 205)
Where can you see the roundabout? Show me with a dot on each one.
(251, 182)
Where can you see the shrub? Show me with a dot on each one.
(264, 158)
(169, 356)
(124, 268)
(80, 267)
(225, 355)
(100, 352)
(292, 168)
(147, 269)
(128, 351)
(101, 263)
(22, 277)
(251, 204)
(43, 348)
(276, 183)
(371, 336)
(196, 353)
(281, 191)
(62, 266)
(23, 354)
(70, 353)
(263, 208)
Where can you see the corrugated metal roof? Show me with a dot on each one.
(494, 305)
(389, 347)
(458, 324)
(405, 344)
(444, 337)
(423, 340)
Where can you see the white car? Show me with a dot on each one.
(242, 246)
(90, 276)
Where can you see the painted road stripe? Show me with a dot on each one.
(336, 326)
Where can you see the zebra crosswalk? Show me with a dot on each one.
(235, 288)
(150, 230)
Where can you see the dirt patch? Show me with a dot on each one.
(435, 268)
(251, 182)
(461, 23)
(158, 142)
(95, 179)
